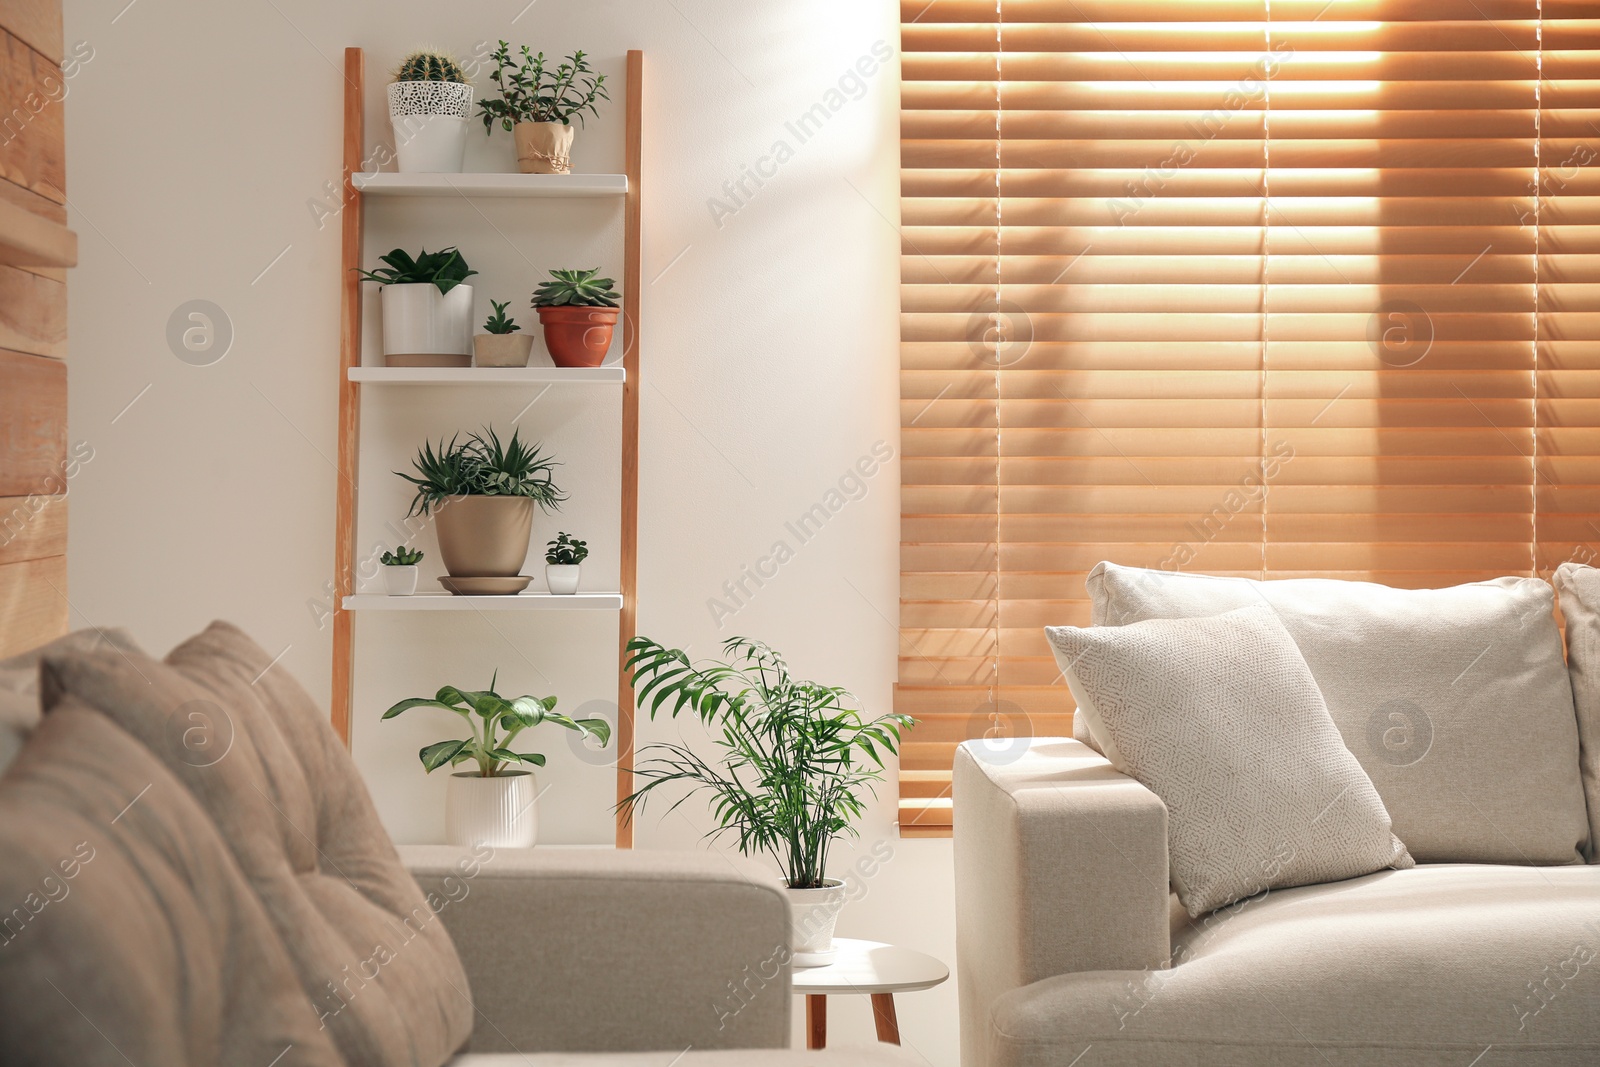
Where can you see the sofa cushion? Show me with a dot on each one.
(19, 683)
(1455, 701)
(259, 757)
(1430, 966)
(1220, 718)
(1579, 588)
(131, 935)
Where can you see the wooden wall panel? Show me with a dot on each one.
(33, 423)
(32, 527)
(37, 23)
(33, 603)
(32, 127)
(33, 313)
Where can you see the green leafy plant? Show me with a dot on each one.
(498, 322)
(796, 756)
(444, 268)
(494, 723)
(565, 551)
(401, 557)
(483, 466)
(568, 288)
(531, 92)
(425, 65)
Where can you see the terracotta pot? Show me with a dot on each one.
(484, 536)
(578, 336)
(501, 349)
(543, 147)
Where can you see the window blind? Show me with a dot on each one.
(1286, 289)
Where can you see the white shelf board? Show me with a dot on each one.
(487, 375)
(552, 185)
(442, 601)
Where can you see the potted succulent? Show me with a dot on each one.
(578, 312)
(796, 756)
(482, 493)
(400, 571)
(427, 308)
(537, 106)
(499, 345)
(430, 103)
(494, 803)
(562, 558)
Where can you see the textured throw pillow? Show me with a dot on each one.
(1456, 701)
(1579, 587)
(1221, 719)
(253, 749)
(130, 936)
(19, 683)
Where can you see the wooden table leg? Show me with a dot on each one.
(817, 1020)
(883, 1016)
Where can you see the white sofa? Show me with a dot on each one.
(1072, 950)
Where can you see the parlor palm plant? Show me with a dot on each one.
(796, 757)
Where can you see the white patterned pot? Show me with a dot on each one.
(813, 914)
(423, 327)
(501, 812)
(430, 125)
(562, 578)
(400, 581)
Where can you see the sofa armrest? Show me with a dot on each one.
(1061, 866)
(590, 950)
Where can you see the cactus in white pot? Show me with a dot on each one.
(430, 102)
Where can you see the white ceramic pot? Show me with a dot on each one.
(423, 327)
(501, 812)
(400, 581)
(430, 125)
(562, 578)
(813, 913)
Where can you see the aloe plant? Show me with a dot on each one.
(401, 557)
(494, 723)
(575, 288)
(445, 268)
(483, 466)
(566, 551)
(498, 322)
(424, 65)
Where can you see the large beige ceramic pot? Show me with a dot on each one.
(484, 536)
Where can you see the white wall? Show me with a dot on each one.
(200, 137)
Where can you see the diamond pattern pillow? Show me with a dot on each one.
(1221, 719)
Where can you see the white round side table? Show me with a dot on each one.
(869, 967)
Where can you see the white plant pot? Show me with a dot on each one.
(430, 125)
(400, 581)
(562, 578)
(423, 327)
(501, 812)
(813, 913)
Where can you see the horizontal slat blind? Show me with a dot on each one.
(1187, 284)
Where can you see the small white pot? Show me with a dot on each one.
(501, 812)
(562, 578)
(400, 581)
(813, 913)
(430, 125)
(423, 327)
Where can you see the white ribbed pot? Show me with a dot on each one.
(400, 581)
(562, 578)
(501, 812)
(423, 327)
(430, 125)
(813, 914)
